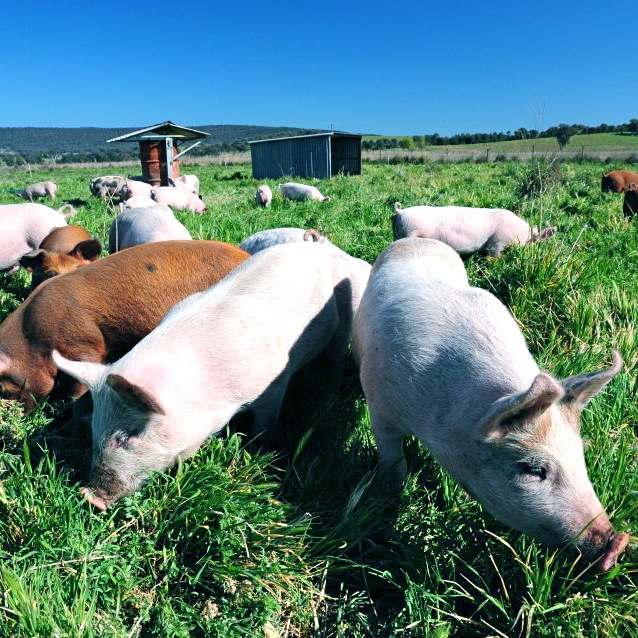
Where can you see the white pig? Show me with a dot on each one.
(178, 198)
(273, 236)
(263, 195)
(134, 188)
(36, 191)
(24, 226)
(135, 226)
(467, 230)
(236, 345)
(301, 192)
(447, 363)
(141, 201)
(188, 183)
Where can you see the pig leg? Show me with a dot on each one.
(494, 247)
(266, 412)
(392, 465)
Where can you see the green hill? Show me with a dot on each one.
(41, 144)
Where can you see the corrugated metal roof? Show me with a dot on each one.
(160, 131)
(299, 137)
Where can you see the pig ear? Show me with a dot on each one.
(134, 395)
(87, 250)
(580, 388)
(88, 373)
(5, 362)
(522, 410)
(33, 261)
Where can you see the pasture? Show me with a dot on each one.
(296, 542)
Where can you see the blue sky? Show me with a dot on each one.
(393, 68)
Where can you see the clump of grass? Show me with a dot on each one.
(539, 177)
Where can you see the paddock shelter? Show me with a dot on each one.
(158, 149)
(320, 155)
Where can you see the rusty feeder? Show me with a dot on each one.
(158, 149)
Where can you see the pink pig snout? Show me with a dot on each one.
(614, 548)
(600, 543)
(98, 501)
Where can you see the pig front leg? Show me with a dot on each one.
(392, 466)
(266, 412)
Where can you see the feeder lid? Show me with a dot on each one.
(160, 132)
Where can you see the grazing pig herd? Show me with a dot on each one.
(183, 192)
(173, 337)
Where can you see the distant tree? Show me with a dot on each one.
(522, 133)
(563, 133)
(409, 143)
(633, 126)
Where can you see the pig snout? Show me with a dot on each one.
(600, 543)
(104, 488)
(615, 547)
(92, 497)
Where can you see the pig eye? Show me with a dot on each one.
(121, 439)
(529, 473)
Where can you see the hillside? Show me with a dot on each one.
(46, 144)
(589, 143)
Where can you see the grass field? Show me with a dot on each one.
(296, 543)
(600, 145)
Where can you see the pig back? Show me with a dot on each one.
(102, 310)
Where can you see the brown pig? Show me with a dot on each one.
(619, 182)
(62, 250)
(101, 311)
(623, 182)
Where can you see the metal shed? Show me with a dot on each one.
(158, 149)
(320, 155)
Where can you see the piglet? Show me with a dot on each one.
(62, 250)
(273, 236)
(619, 182)
(136, 226)
(234, 346)
(447, 363)
(467, 230)
(301, 192)
(134, 188)
(178, 198)
(39, 190)
(101, 311)
(188, 183)
(263, 195)
(107, 186)
(24, 226)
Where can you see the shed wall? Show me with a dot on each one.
(297, 157)
(346, 156)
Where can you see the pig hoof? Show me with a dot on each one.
(97, 501)
(614, 548)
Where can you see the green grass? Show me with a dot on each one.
(236, 543)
